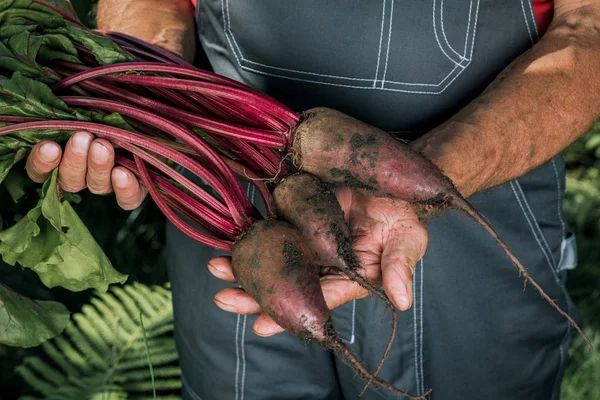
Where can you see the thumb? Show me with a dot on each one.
(401, 252)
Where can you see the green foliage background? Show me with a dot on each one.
(133, 242)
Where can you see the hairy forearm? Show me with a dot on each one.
(535, 108)
(165, 23)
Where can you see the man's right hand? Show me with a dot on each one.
(87, 162)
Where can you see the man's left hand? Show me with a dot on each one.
(389, 240)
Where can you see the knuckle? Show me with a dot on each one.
(129, 204)
(35, 176)
(72, 187)
(73, 162)
(99, 189)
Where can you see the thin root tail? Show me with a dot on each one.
(465, 207)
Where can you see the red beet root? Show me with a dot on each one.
(282, 279)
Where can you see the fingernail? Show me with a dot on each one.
(49, 152)
(267, 332)
(81, 142)
(121, 179)
(406, 300)
(220, 270)
(99, 153)
(262, 334)
(223, 305)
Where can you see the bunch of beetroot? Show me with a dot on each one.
(161, 113)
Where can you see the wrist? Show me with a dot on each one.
(166, 24)
(455, 148)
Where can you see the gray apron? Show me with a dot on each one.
(404, 66)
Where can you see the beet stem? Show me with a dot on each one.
(203, 238)
(237, 209)
(177, 131)
(210, 125)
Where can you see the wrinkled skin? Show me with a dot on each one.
(388, 239)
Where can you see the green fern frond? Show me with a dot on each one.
(163, 384)
(103, 354)
(164, 372)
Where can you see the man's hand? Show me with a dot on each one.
(388, 239)
(86, 162)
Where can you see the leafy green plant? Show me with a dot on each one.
(120, 346)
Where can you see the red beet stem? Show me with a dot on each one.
(238, 211)
(157, 67)
(209, 125)
(176, 130)
(203, 238)
(14, 119)
(139, 54)
(218, 89)
(217, 209)
(62, 13)
(146, 46)
(195, 210)
(213, 89)
(248, 175)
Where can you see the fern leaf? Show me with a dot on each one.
(39, 384)
(164, 292)
(91, 353)
(143, 303)
(104, 351)
(128, 302)
(154, 299)
(58, 358)
(158, 358)
(95, 329)
(74, 357)
(162, 372)
(163, 384)
(112, 309)
(160, 330)
(155, 344)
(44, 371)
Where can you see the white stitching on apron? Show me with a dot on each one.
(526, 21)
(437, 39)
(380, 41)
(535, 223)
(387, 54)
(534, 23)
(228, 33)
(468, 29)
(243, 345)
(422, 388)
(240, 345)
(558, 282)
(416, 341)
(559, 212)
(237, 358)
(462, 57)
(239, 58)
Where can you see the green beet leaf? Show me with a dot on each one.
(28, 323)
(21, 96)
(105, 50)
(8, 160)
(53, 242)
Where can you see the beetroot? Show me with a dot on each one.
(282, 279)
(338, 148)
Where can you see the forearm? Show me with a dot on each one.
(165, 23)
(536, 107)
